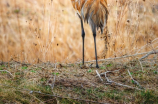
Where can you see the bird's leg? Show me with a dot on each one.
(94, 35)
(83, 36)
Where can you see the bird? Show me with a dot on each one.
(95, 13)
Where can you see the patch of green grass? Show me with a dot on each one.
(46, 89)
(55, 73)
(11, 96)
(17, 73)
(38, 68)
(89, 91)
(24, 67)
(139, 71)
(103, 67)
(22, 98)
(18, 81)
(95, 93)
(114, 94)
(43, 79)
(133, 81)
(2, 67)
(9, 81)
(70, 101)
(109, 65)
(155, 72)
(101, 95)
(3, 72)
(131, 73)
(146, 97)
(77, 90)
(33, 71)
(89, 71)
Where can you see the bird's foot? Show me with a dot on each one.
(97, 66)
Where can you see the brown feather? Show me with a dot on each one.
(96, 10)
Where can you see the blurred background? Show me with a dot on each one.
(49, 30)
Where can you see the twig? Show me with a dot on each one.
(135, 82)
(149, 53)
(141, 65)
(110, 71)
(52, 86)
(99, 75)
(119, 84)
(7, 72)
(118, 57)
(108, 80)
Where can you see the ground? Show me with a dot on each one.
(74, 83)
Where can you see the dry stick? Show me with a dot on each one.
(149, 53)
(7, 72)
(135, 82)
(118, 57)
(146, 46)
(141, 65)
(110, 71)
(99, 75)
(119, 84)
(52, 86)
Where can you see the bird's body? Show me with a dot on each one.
(95, 13)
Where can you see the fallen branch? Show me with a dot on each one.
(110, 72)
(119, 84)
(7, 72)
(135, 82)
(99, 75)
(149, 53)
(140, 63)
(52, 85)
(118, 57)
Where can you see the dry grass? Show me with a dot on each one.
(38, 31)
(34, 83)
(50, 30)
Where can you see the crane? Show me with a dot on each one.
(95, 13)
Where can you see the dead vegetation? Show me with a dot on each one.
(69, 83)
(40, 55)
(51, 29)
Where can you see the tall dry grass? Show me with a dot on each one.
(133, 27)
(33, 30)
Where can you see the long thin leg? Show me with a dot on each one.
(94, 35)
(83, 36)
